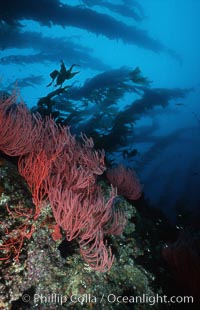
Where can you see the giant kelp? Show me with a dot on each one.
(54, 12)
(95, 107)
(68, 48)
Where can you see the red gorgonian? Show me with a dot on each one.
(126, 182)
(63, 171)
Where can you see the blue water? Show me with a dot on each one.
(161, 37)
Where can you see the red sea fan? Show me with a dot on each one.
(183, 258)
(19, 129)
(126, 181)
(63, 171)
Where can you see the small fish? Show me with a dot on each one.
(179, 103)
(129, 154)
